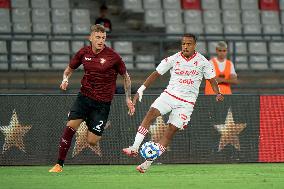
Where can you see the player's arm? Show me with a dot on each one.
(74, 64)
(151, 79)
(127, 89)
(165, 65)
(210, 75)
(216, 89)
(66, 75)
(127, 86)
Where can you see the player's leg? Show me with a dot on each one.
(75, 117)
(163, 143)
(93, 139)
(65, 143)
(161, 106)
(178, 119)
(96, 121)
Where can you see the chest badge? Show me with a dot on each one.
(102, 60)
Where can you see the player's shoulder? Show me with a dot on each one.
(201, 57)
(172, 57)
(111, 51)
(85, 49)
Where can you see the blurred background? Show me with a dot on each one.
(38, 38)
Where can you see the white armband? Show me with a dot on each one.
(65, 80)
(140, 91)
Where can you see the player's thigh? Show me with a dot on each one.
(92, 138)
(162, 104)
(152, 114)
(180, 116)
(79, 109)
(75, 124)
(97, 118)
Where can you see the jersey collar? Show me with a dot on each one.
(98, 52)
(188, 59)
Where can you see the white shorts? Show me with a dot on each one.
(180, 111)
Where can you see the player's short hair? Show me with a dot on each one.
(190, 35)
(222, 44)
(98, 28)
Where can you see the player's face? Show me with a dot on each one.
(188, 46)
(98, 40)
(221, 53)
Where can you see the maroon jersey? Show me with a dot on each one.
(99, 80)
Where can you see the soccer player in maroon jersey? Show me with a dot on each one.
(101, 66)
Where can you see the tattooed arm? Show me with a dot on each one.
(127, 89)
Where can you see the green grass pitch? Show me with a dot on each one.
(174, 176)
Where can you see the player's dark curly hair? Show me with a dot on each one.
(190, 35)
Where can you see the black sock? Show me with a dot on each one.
(60, 162)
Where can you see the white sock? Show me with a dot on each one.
(140, 135)
(162, 148)
(147, 164)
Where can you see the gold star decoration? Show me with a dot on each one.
(14, 134)
(230, 132)
(158, 129)
(81, 140)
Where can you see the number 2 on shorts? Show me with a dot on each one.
(98, 127)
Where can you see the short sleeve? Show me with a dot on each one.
(76, 61)
(121, 69)
(165, 65)
(208, 70)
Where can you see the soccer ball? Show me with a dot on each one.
(150, 151)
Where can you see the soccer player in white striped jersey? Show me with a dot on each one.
(187, 69)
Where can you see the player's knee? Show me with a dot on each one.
(172, 128)
(75, 124)
(153, 113)
(92, 143)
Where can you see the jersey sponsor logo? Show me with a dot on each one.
(186, 72)
(88, 59)
(102, 60)
(186, 81)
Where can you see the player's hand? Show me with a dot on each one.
(136, 97)
(219, 97)
(64, 85)
(131, 107)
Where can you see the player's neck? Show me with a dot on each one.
(97, 51)
(188, 55)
